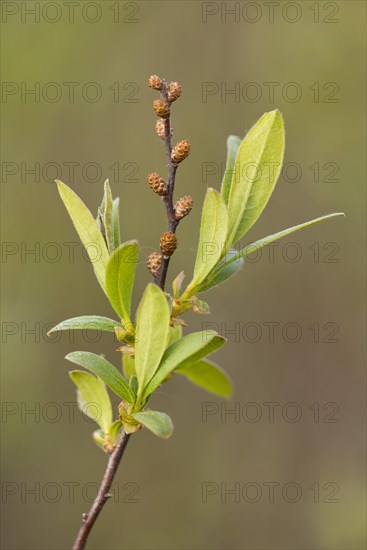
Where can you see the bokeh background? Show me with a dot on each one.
(313, 53)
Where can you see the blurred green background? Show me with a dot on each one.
(313, 50)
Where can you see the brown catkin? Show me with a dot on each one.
(159, 126)
(154, 263)
(174, 90)
(155, 82)
(183, 207)
(180, 151)
(168, 243)
(157, 184)
(161, 108)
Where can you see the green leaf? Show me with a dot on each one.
(247, 250)
(88, 231)
(107, 216)
(175, 333)
(88, 322)
(134, 385)
(213, 232)
(152, 326)
(257, 168)
(157, 422)
(188, 349)
(116, 223)
(177, 284)
(115, 429)
(222, 272)
(120, 275)
(103, 369)
(93, 398)
(199, 306)
(128, 366)
(233, 144)
(208, 376)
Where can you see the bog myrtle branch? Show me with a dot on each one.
(153, 346)
(103, 491)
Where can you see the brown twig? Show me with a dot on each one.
(103, 491)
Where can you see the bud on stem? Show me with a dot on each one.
(180, 151)
(154, 263)
(174, 90)
(157, 184)
(155, 82)
(183, 207)
(161, 108)
(160, 128)
(168, 243)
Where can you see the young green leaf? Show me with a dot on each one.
(233, 144)
(128, 366)
(213, 232)
(257, 168)
(93, 398)
(134, 385)
(87, 322)
(103, 369)
(157, 422)
(116, 223)
(120, 275)
(152, 326)
(208, 376)
(88, 231)
(175, 333)
(222, 272)
(247, 250)
(107, 216)
(188, 349)
(177, 284)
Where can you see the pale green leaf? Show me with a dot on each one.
(134, 385)
(103, 369)
(177, 284)
(128, 366)
(257, 168)
(120, 275)
(222, 271)
(116, 223)
(152, 333)
(188, 349)
(107, 216)
(208, 376)
(93, 398)
(199, 306)
(157, 422)
(88, 231)
(213, 232)
(233, 144)
(175, 333)
(115, 429)
(88, 322)
(253, 247)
